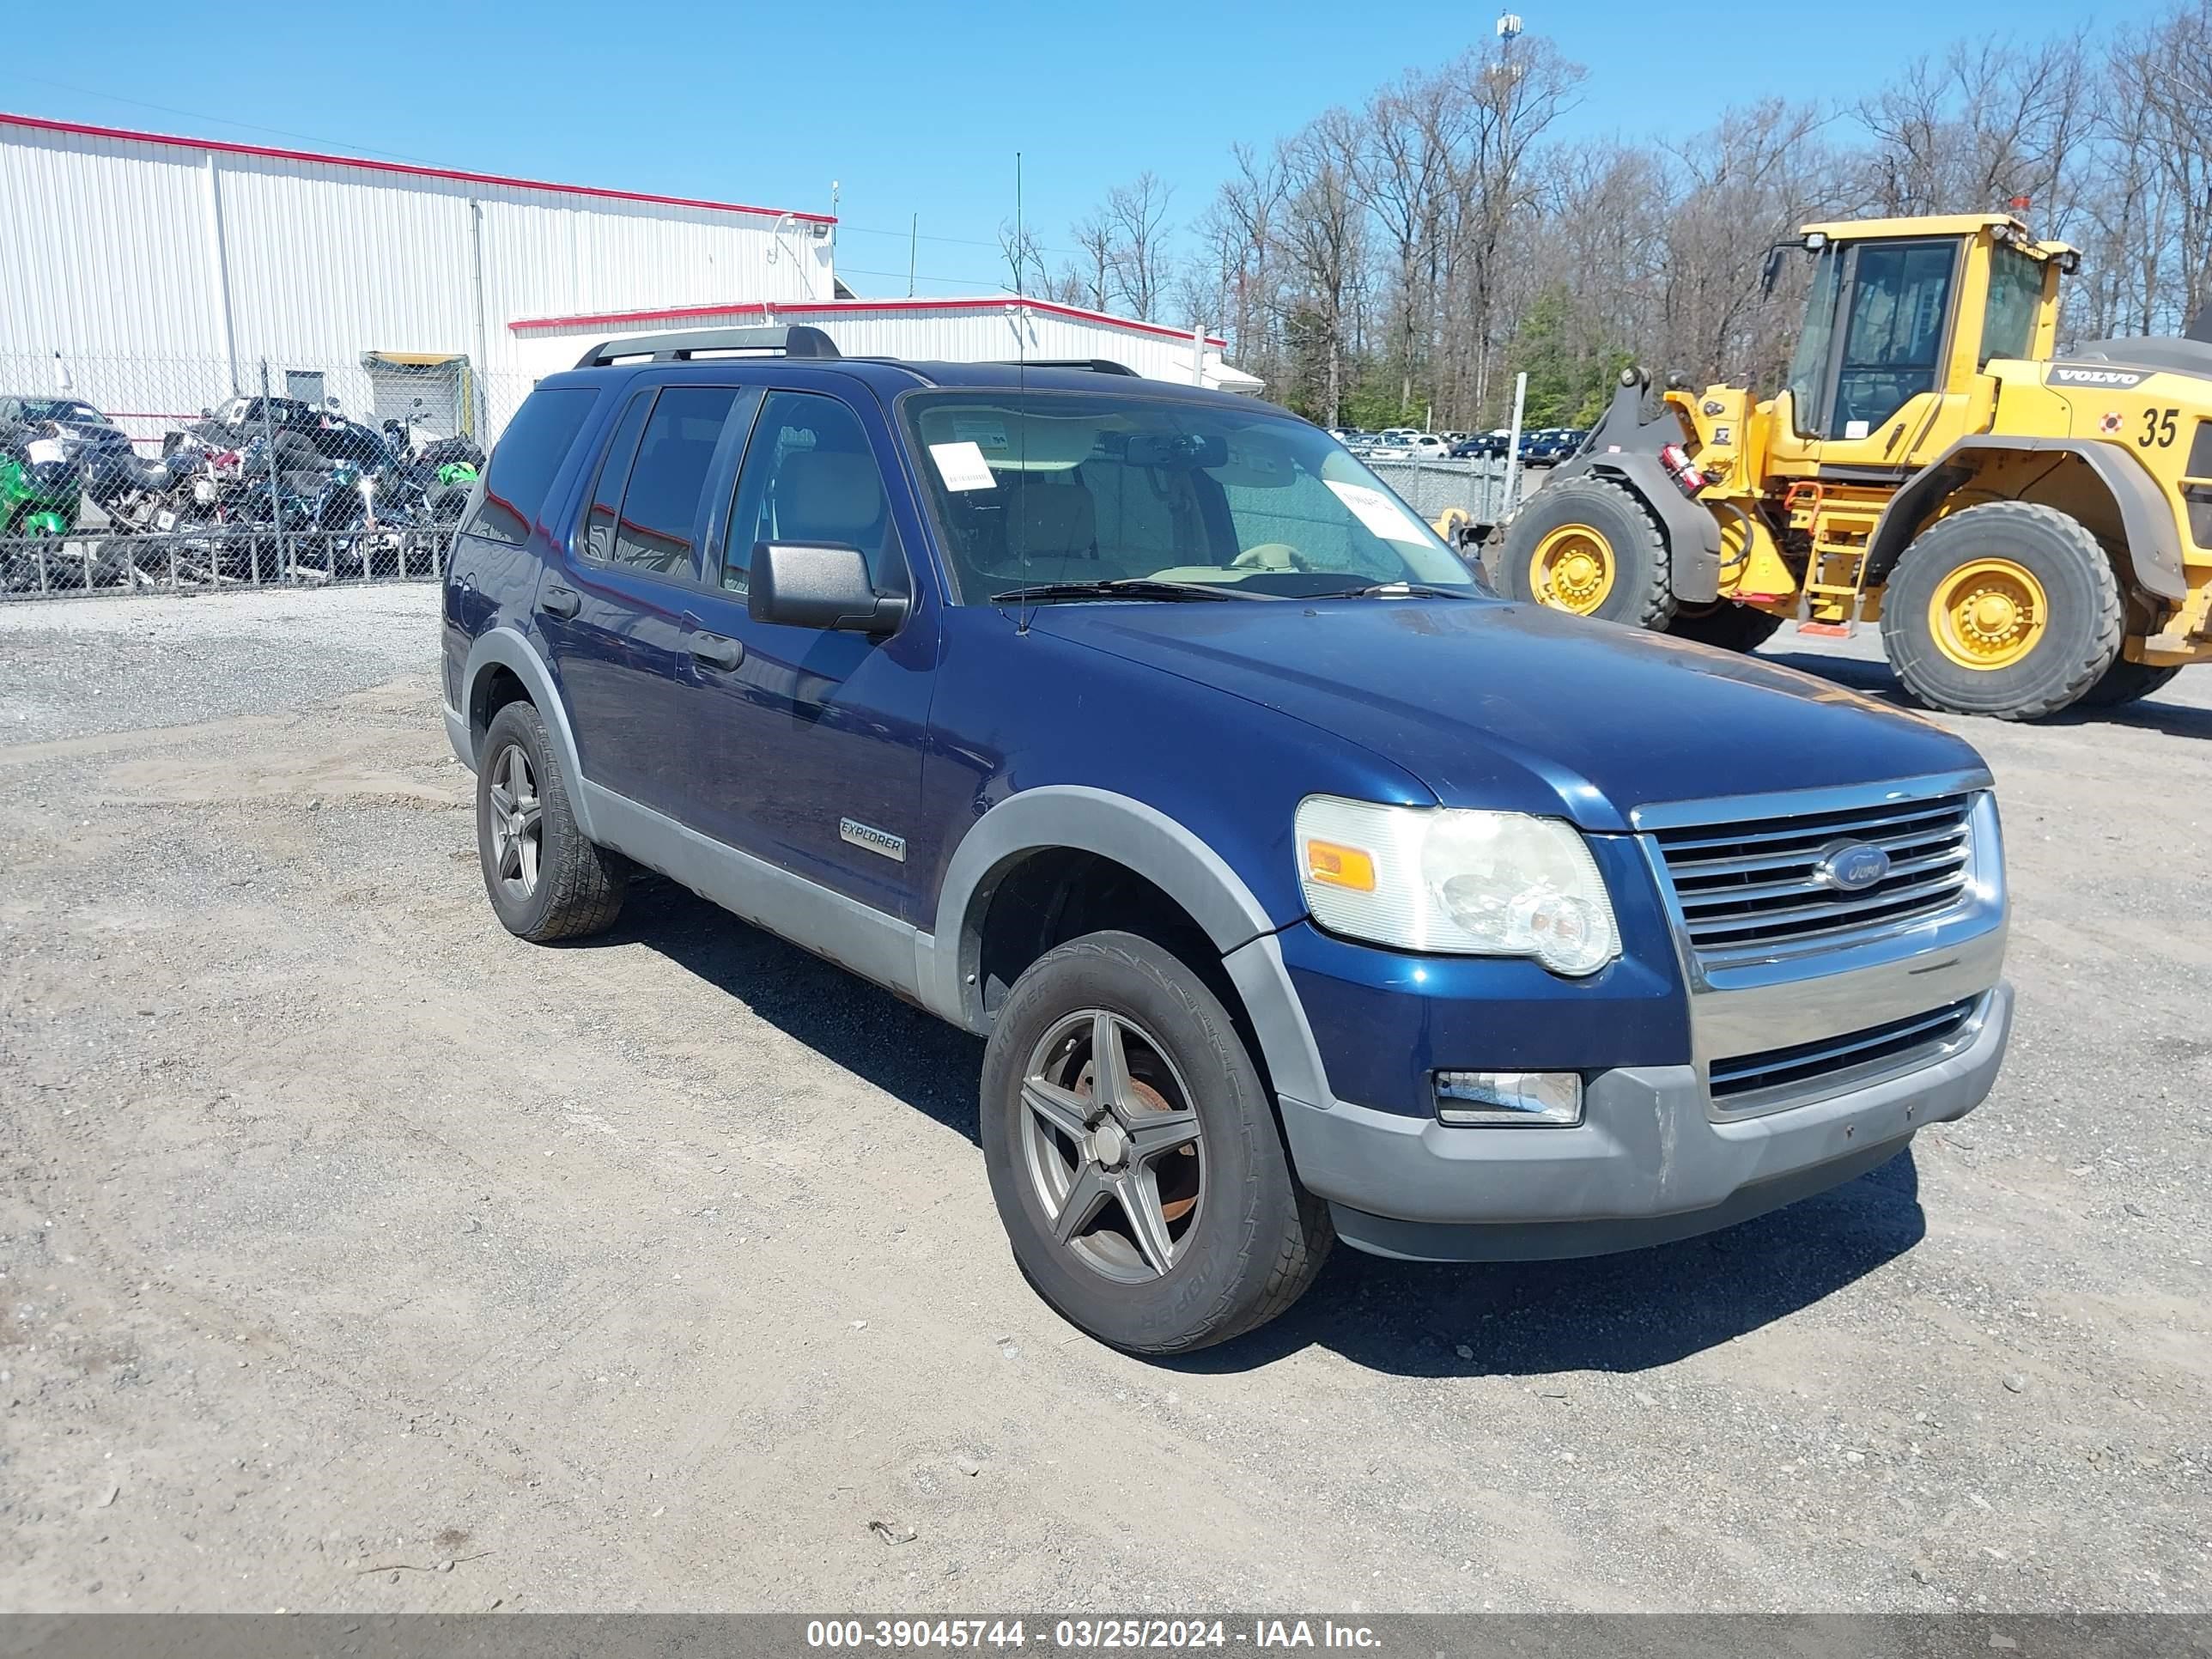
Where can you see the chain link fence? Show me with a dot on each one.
(122, 474)
(1476, 490)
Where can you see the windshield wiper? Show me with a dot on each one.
(1123, 587)
(1397, 591)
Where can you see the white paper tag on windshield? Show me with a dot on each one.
(44, 449)
(1377, 511)
(961, 466)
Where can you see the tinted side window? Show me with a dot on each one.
(662, 506)
(528, 454)
(809, 475)
(598, 538)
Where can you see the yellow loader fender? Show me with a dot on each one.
(2153, 546)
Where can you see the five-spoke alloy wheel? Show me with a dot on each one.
(545, 878)
(1114, 1151)
(517, 824)
(1134, 1153)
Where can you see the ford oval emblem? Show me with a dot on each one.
(1851, 867)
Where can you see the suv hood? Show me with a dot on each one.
(1517, 708)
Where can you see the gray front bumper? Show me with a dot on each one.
(1647, 1164)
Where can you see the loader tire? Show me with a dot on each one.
(2011, 608)
(2126, 682)
(1592, 548)
(1724, 623)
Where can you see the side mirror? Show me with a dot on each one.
(819, 585)
(1772, 274)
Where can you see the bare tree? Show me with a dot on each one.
(1024, 259)
(1417, 249)
(1135, 219)
(1092, 279)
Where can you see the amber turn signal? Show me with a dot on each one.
(1339, 865)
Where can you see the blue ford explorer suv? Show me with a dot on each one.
(1303, 889)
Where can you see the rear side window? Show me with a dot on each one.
(614, 472)
(530, 452)
(662, 507)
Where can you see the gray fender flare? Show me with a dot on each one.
(2154, 543)
(507, 648)
(1156, 847)
(1694, 534)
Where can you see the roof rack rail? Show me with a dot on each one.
(1096, 365)
(796, 341)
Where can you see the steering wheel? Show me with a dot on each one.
(1271, 555)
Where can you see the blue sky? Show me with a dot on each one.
(914, 108)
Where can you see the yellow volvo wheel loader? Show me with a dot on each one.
(2030, 529)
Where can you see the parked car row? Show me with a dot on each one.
(1539, 445)
(1543, 446)
(255, 486)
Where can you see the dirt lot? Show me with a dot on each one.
(358, 1256)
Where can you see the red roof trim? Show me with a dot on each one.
(798, 307)
(405, 169)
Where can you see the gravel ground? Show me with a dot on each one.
(358, 1256)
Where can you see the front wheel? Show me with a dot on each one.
(2010, 609)
(1134, 1155)
(1591, 547)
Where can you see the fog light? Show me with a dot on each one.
(1551, 1099)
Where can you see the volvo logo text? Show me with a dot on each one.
(1850, 866)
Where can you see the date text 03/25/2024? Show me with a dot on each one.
(1085, 1635)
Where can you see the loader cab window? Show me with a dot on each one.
(2016, 297)
(1897, 311)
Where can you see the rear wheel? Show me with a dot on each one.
(1724, 623)
(2126, 682)
(1589, 547)
(545, 878)
(2010, 609)
(1134, 1155)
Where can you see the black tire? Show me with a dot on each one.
(2126, 682)
(1253, 1240)
(1724, 623)
(576, 888)
(2081, 637)
(1641, 594)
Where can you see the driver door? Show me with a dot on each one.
(1888, 379)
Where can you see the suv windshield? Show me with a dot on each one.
(1076, 487)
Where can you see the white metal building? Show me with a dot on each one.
(999, 328)
(152, 275)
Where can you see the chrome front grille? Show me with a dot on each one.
(1757, 886)
(1787, 1077)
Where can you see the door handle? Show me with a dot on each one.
(557, 601)
(717, 652)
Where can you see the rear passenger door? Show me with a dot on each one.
(615, 610)
(809, 748)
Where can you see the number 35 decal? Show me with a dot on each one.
(2158, 429)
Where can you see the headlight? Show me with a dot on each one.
(1455, 882)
